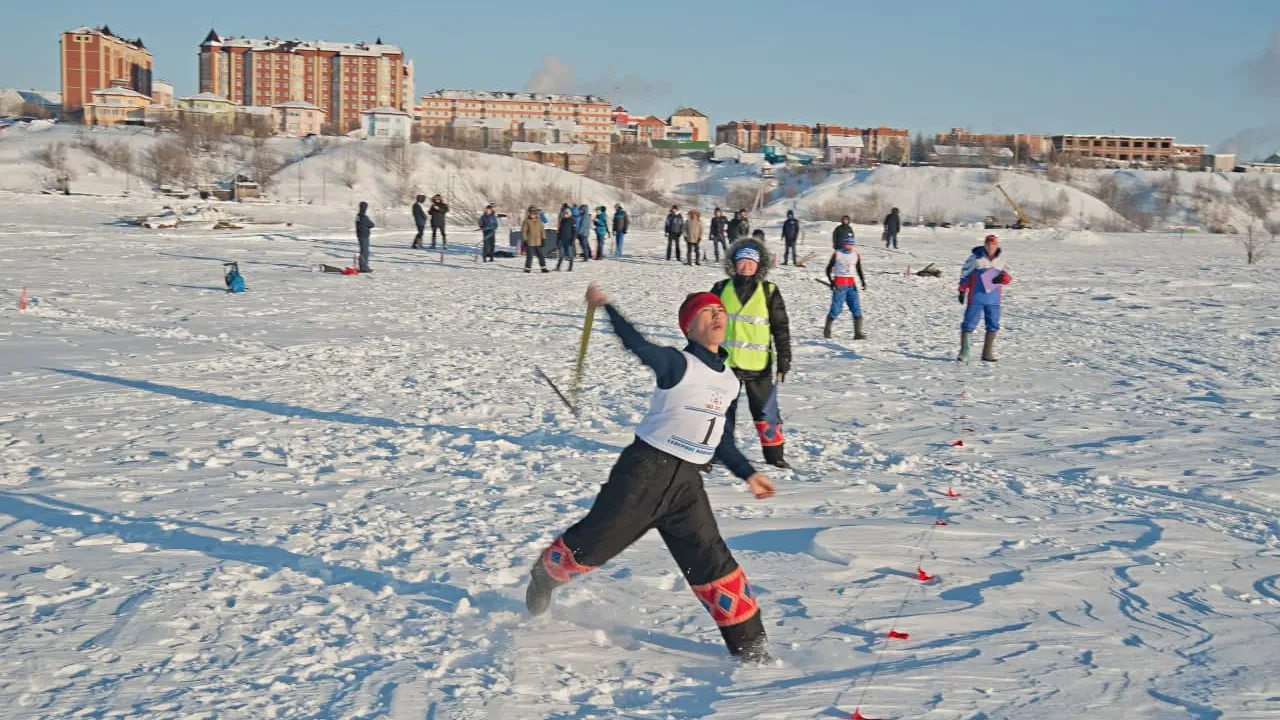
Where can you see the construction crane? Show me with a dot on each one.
(1023, 223)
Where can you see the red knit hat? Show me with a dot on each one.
(693, 304)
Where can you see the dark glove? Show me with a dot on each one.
(961, 298)
(1002, 278)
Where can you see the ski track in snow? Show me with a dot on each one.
(320, 499)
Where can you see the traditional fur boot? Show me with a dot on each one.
(989, 347)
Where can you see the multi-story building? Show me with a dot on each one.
(162, 93)
(1024, 145)
(207, 108)
(1137, 149)
(436, 111)
(342, 79)
(95, 59)
(752, 136)
(296, 118)
(566, 156)
(694, 120)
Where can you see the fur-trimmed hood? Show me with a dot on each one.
(766, 258)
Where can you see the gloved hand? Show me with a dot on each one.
(961, 298)
(1002, 278)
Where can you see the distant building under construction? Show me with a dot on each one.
(1155, 151)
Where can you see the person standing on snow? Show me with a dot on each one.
(982, 281)
(892, 224)
(656, 482)
(565, 234)
(758, 327)
(739, 226)
(674, 228)
(532, 233)
(489, 232)
(584, 231)
(842, 231)
(439, 208)
(693, 237)
(420, 220)
(719, 230)
(364, 228)
(621, 224)
(845, 262)
(790, 235)
(602, 230)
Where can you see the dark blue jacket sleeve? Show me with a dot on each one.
(667, 363)
(727, 451)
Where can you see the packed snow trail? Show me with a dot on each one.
(320, 498)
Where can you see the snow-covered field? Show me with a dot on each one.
(321, 499)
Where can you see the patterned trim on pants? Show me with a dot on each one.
(559, 562)
(730, 599)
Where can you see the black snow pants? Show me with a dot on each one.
(649, 489)
(444, 239)
(673, 241)
(718, 244)
(789, 251)
(487, 246)
(759, 386)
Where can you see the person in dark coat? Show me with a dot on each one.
(892, 224)
(842, 231)
(719, 231)
(621, 224)
(489, 232)
(758, 330)
(656, 482)
(439, 208)
(566, 232)
(739, 226)
(364, 227)
(790, 236)
(674, 228)
(420, 220)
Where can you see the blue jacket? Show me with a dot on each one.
(489, 223)
(602, 224)
(584, 223)
(978, 265)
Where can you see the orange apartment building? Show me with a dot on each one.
(752, 136)
(1144, 150)
(1023, 145)
(342, 79)
(440, 109)
(95, 59)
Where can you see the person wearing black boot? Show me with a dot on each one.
(674, 228)
(419, 220)
(439, 209)
(566, 232)
(364, 228)
(842, 231)
(532, 233)
(845, 262)
(790, 236)
(758, 329)
(488, 232)
(719, 231)
(657, 481)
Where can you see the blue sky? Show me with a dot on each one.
(1198, 70)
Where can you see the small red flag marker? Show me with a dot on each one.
(952, 493)
(923, 576)
(857, 715)
(895, 635)
(958, 443)
(22, 301)
(941, 522)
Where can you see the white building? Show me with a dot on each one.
(844, 150)
(724, 152)
(386, 123)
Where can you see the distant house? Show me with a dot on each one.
(971, 156)
(566, 156)
(1218, 162)
(162, 93)
(296, 119)
(386, 123)
(681, 133)
(724, 152)
(480, 132)
(844, 150)
(550, 131)
(775, 150)
(697, 124)
(207, 108)
(116, 106)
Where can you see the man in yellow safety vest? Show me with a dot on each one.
(758, 328)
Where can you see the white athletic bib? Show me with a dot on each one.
(687, 421)
(846, 264)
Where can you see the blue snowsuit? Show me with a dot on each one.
(982, 280)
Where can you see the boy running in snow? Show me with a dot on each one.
(844, 286)
(982, 281)
(656, 482)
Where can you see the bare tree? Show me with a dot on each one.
(1210, 208)
(168, 162)
(1054, 211)
(401, 161)
(830, 210)
(1257, 241)
(264, 164)
(350, 173)
(743, 195)
(1167, 193)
